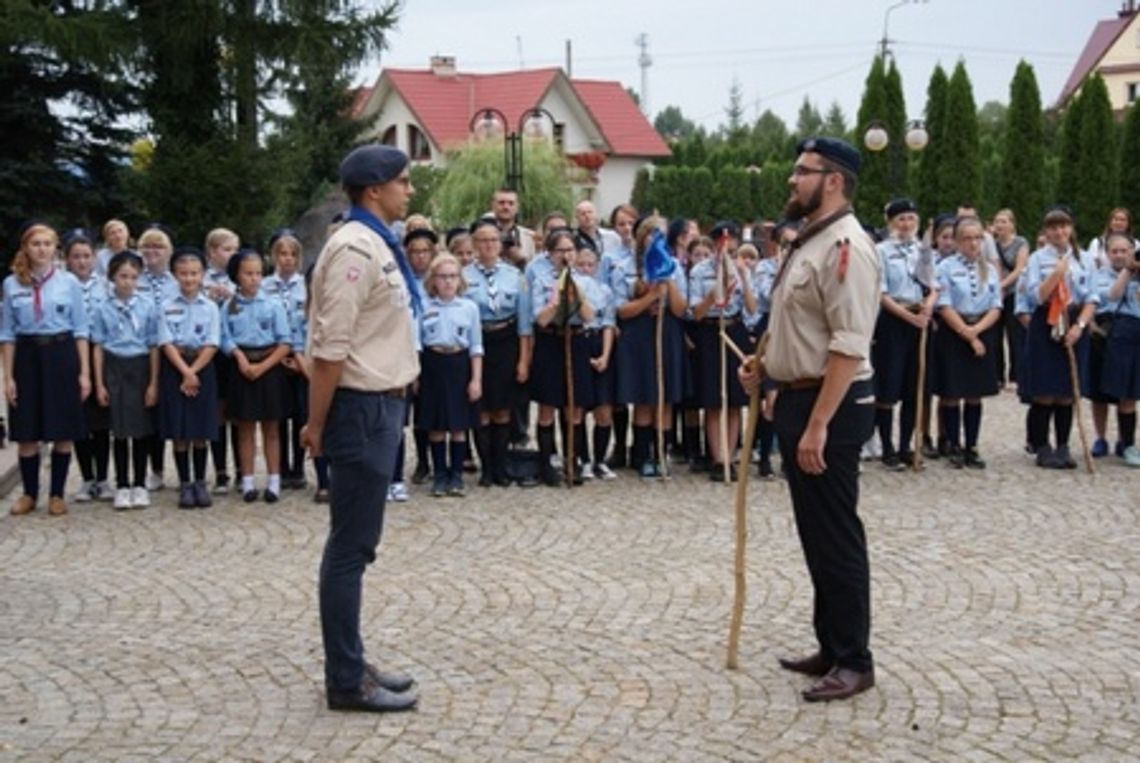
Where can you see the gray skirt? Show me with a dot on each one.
(126, 380)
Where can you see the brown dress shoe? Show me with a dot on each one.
(25, 504)
(815, 665)
(840, 683)
(56, 506)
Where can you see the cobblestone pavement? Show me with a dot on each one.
(587, 625)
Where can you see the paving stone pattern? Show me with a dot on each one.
(586, 625)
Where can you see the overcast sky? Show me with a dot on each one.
(779, 51)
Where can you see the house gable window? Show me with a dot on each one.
(418, 147)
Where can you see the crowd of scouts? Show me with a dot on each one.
(112, 348)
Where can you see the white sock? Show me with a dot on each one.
(247, 483)
(274, 484)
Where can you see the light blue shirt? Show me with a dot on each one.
(259, 321)
(623, 278)
(1044, 261)
(291, 292)
(499, 292)
(961, 287)
(546, 284)
(96, 291)
(702, 280)
(601, 298)
(1128, 304)
(900, 262)
(454, 323)
(61, 307)
(160, 288)
(537, 271)
(763, 277)
(126, 328)
(606, 260)
(1022, 302)
(189, 323)
(218, 277)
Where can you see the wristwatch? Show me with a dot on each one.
(1083, 325)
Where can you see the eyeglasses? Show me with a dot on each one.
(563, 250)
(447, 276)
(801, 171)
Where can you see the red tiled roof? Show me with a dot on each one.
(621, 122)
(1103, 36)
(444, 105)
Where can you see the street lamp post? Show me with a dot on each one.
(876, 138)
(489, 121)
(885, 42)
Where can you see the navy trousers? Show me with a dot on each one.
(360, 439)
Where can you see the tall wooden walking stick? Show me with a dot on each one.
(920, 398)
(570, 429)
(1074, 378)
(722, 303)
(742, 518)
(661, 460)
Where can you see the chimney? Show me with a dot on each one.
(1127, 9)
(443, 66)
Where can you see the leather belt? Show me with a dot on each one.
(255, 354)
(554, 331)
(44, 339)
(445, 350)
(498, 325)
(729, 320)
(799, 384)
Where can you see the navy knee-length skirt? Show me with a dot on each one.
(48, 407)
(1120, 377)
(442, 404)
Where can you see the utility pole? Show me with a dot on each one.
(644, 61)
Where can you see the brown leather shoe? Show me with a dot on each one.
(815, 665)
(56, 506)
(25, 504)
(839, 683)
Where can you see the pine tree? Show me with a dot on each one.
(897, 151)
(808, 121)
(874, 179)
(1096, 182)
(1129, 185)
(734, 112)
(929, 169)
(960, 175)
(1023, 154)
(835, 123)
(1069, 159)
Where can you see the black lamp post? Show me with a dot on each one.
(488, 121)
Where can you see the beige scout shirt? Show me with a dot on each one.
(814, 313)
(359, 312)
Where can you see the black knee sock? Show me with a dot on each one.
(421, 437)
(907, 415)
(884, 421)
(602, 442)
(283, 442)
(1037, 425)
(1126, 427)
(235, 449)
(199, 457)
(439, 458)
(457, 451)
(951, 424)
(765, 433)
(1063, 423)
(138, 460)
(581, 450)
(483, 449)
(621, 430)
(545, 448)
(692, 442)
(30, 474)
(101, 447)
(182, 464)
(639, 453)
(85, 457)
(500, 441)
(59, 465)
(298, 463)
(972, 418)
(156, 449)
(218, 448)
(122, 457)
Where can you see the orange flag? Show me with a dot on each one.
(1059, 302)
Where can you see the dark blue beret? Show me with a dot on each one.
(458, 230)
(944, 219)
(897, 207)
(722, 227)
(233, 266)
(372, 165)
(427, 233)
(833, 149)
(187, 252)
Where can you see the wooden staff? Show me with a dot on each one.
(724, 400)
(569, 428)
(1076, 382)
(661, 384)
(742, 516)
(920, 399)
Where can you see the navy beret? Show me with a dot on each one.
(833, 149)
(722, 227)
(187, 252)
(233, 266)
(897, 207)
(944, 219)
(427, 233)
(372, 165)
(452, 233)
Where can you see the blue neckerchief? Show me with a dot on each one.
(377, 226)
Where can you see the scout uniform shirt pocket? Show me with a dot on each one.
(394, 282)
(799, 287)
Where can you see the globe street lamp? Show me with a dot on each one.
(488, 123)
(876, 139)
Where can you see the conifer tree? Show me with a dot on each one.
(1023, 153)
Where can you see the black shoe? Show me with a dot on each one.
(1044, 457)
(321, 496)
(420, 475)
(527, 481)
(891, 462)
(439, 487)
(765, 469)
(270, 497)
(618, 459)
(394, 682)
(956, 457)
(249, 496)
(944, 448)
(906, 458)
(202, 495)
(370, 699)
(186, 498)
(1063, 459)
(469, 466)
(485, 480)
(698, 464)
(929, 452)
(973, 460)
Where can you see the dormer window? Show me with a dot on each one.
(418, 147)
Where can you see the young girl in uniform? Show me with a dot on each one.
(451, 338)
(420, 246)
(221, 245)
(288, 285)
(116, 238)
(1120, 374)
(969, 306)
(188, 335)
(698, 249)
(255, 334)
(158, 284)
(1053, 270)
(125, 333)
(92, 452)
(941, 238)
(599, 341)
(43, 332)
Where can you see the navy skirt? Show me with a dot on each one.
(500, 363)
(442, 405)
(98, 416)
(1121, 374)
(894, 355)
(548, 369)
(223, 370)
(601, 385)
(637, 360)
(187, 418)
(1098, 344)
(958, 372)
(692, 364)
(262, 399)
(126, 380)
(1047, 362)
(48, 408)
(707, 368)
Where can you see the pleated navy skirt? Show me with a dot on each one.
(500, 363)
(894, 355)
(548, 369)
(707, 368)
(959, 373)
(1047, 362)
(1120, 378)
(637, 360)
(442, 405)
(181, 417)
(48, 408)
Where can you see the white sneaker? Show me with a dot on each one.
(398, 492)
(603, 472)
(104, 491)
(587, 471)
(153, 481)
(140, 497)
(1132, 455)
(86, 492)
(123, 498)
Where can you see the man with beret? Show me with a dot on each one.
(824, 302)
(363, 304)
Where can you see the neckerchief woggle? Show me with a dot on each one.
(377, 226)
